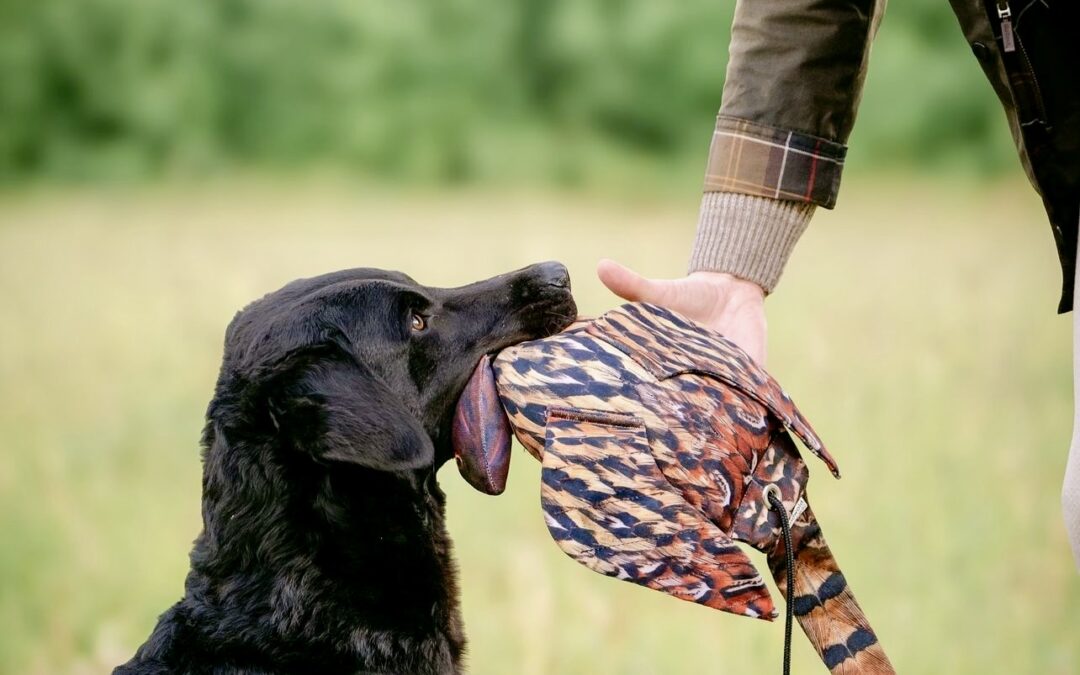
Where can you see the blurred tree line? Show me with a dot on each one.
(455, 90)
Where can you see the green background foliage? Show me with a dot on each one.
(559, 91)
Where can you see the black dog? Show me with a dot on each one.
(323, 547)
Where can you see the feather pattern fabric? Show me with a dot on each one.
(658, 439)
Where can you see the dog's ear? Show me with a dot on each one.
(341, 411)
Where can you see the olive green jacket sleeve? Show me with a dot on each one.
(793, 84)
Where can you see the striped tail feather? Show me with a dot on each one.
(826, 608)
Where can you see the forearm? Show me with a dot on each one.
(799, 65)
(793, 85)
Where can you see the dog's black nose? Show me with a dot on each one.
(551, 274)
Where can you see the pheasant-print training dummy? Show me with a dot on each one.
(661, 442)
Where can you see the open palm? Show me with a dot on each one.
(731, 306)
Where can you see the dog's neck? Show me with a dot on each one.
(342, 556)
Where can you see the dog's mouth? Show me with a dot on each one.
(481, 435)
(480, 432)
(540, 320)
(549, 308)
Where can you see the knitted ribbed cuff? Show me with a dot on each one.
(746, 236)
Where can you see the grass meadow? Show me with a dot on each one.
(915, 327)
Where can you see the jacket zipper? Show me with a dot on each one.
(1039, 103)
(1009, 42)
(1008, 38)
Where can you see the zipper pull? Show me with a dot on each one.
(1008, 40)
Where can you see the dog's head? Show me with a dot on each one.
(364, 366)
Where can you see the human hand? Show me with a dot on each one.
(729, 305)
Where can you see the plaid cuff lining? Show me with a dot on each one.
(764, 161)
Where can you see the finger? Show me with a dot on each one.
(627, 284)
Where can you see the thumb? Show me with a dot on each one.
(627, 284)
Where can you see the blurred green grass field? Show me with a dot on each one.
(915, 327)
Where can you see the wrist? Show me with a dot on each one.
(748, 237)
(731, 285)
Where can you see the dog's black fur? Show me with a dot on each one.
(323, 547)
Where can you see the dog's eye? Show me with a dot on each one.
(419, 323)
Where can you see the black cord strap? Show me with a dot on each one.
(785, 529)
